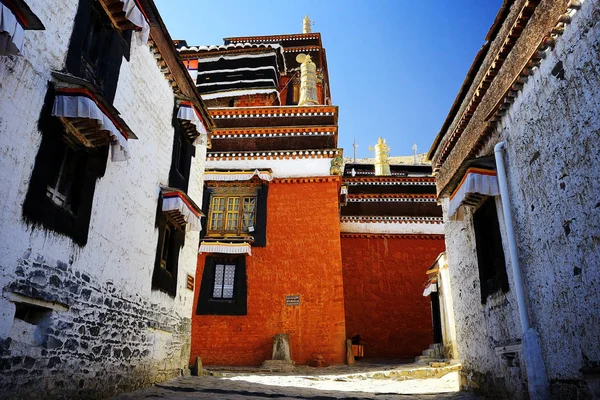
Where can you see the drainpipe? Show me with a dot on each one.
(531, 349)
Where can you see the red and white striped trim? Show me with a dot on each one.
(237, 175)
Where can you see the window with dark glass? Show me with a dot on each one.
(171, 238)
(63, 181)
(97, 48)
(490, 254)
(181, 158)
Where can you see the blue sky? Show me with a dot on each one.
(395, 66)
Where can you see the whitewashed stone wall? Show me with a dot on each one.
(552, 133)
(117, 333)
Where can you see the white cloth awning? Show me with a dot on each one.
(477, 181)
(135, 14)
(225, 248)
(80, 106)
(432, 288)
(237, 175)
(188, 112)
(175, 200)
(12, 34)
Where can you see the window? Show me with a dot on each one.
(97, 48)
(236, 211)
(60, 188)
(30, 313)
(63, 181)
(490, 254)
(181, 158)
(233, 215)
(171, 239)
(224, 281)
(223, 290)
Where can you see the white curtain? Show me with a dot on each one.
(189, 114)
(432, 288)
(225, 248)
(83, 107)
(12, 34)
(135, 15)
(191, 217)
(474, 182)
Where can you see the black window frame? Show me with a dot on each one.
(38, 208)
(491, 262)
(102, 69)
(181, 156)
(238, 305)
(166, 272)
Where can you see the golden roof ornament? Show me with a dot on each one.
(306, 25)
(382, 156)
(308, 80)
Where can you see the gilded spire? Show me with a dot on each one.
(306, 25)
(382, 154)
(308, 80)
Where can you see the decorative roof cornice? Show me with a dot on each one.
(348, 235)
(273, 38)
(391, 198)
(274, 132)
(391, 219)
(236, 46)
(273, 154)
(511, 38)
(272, 112)
(302, 49)
(314, 179)
(508, 96)
(389, 181)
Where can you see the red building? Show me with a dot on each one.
(391, 231)
(272, 258)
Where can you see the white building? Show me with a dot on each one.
(103, 140)
(527, 305)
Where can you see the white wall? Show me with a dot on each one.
(392, 228)
(290, 168)
(108, 335)
(552, 133)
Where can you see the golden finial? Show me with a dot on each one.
(306, 25)
(382, 155)
(308, 80)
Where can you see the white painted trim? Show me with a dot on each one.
(418, 228)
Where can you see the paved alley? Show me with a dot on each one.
(208, 387)
(362, 381)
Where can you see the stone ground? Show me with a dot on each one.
(358, 382)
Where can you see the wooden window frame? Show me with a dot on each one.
(254, 188)
(227, 215)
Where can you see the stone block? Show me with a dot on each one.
(278, 366)
(281, 347)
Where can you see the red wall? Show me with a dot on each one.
(303, 257)
(383, 292)
(256, 100)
